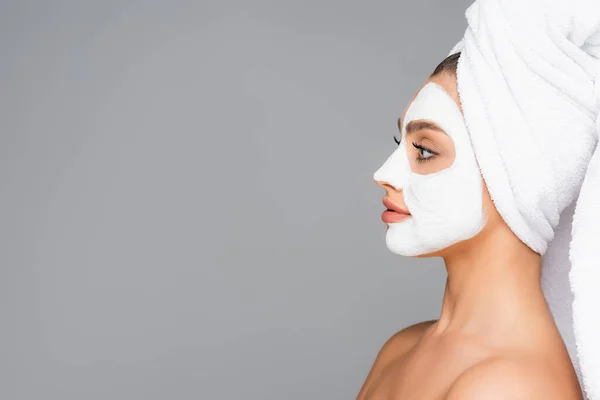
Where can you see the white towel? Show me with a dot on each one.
(528, 79)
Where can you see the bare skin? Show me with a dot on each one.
(496, 337)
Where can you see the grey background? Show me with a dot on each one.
(187, 204)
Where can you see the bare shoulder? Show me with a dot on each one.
(397, 345)
(511, 378)
(406, 338)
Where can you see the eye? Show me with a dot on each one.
(422, 149)
(396, 140)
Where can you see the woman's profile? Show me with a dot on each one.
(496, 337)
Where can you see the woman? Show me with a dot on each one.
(496, 337)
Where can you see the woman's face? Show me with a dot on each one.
(433, 174)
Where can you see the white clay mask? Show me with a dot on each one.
(446, 206)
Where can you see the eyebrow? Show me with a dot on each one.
(414, 126)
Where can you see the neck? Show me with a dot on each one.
(493, 289)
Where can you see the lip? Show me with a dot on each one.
(393, 207)
(389, 216)
(393, 213)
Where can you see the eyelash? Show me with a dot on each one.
(419, 147)
(425, 159)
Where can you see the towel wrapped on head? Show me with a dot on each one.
(528, 79)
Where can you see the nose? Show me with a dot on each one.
(393, 172)
(384, 185)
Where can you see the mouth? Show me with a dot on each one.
(393, 212)
(389, 216)
(394, 207)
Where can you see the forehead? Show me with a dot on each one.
(445, 81)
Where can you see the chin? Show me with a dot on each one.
(432, 254)
(438, 253)
(410, 240)
(402, 247)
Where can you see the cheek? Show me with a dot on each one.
(430, 192)
(447, 195)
